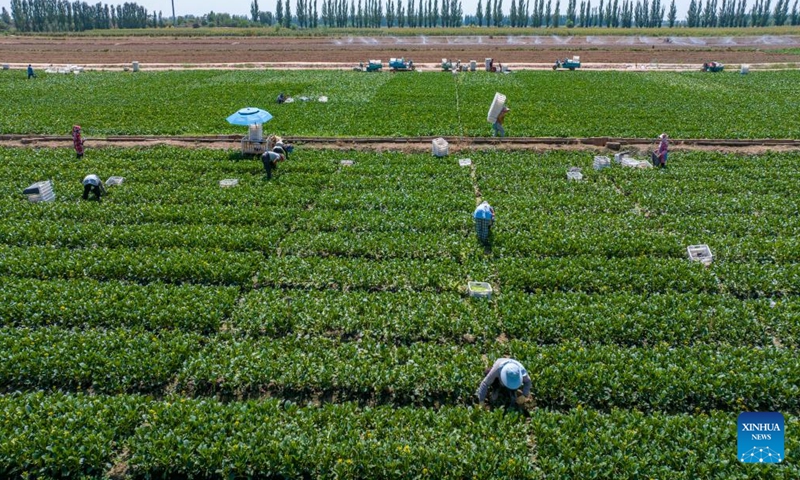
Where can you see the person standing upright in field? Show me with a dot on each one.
(498, 124)
(77, 140)
(662, 150)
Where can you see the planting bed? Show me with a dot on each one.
(543, 104)
(319, 324)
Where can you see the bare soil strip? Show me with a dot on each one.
(349, 50)
(414, 144)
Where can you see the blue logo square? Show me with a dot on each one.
(760, 437)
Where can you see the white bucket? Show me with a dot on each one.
(497, 106)
(745, 69)
(440, 147)
(135, 66)
(256, 133)
(488, 62)
(472, 65)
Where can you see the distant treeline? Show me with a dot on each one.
(64, 16)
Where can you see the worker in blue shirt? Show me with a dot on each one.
(31, 74)
(484, 219)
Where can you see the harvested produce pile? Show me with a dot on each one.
(544, 104)
(319, 324)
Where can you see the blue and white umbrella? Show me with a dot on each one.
(250, 116)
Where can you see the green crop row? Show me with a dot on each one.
(48, 436)
(110, 361)
(72, 435)
(379, 245)
(591, 274)
(88, 303)
(364, 274)
(550, 318)
(660, 378)
(640, 275)
(99, 234)
(631, 445)
(431, 104)
(403, 316)
(657, 378)
(594, 274)
(113, 212)
(140, 265)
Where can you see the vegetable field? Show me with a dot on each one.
(543, 104)
(318, 325)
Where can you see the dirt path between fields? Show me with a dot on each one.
(417, 145)
(346, 51)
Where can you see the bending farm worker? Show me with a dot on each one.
(271, 159)
(31, 74)
(497, 126)
(506, 375)
(77, 140)
(281, 97)
(662, 150)
(93, 184)
(484, 219)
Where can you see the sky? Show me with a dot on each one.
(242, 7)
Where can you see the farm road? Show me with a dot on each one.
(416, 144)
(283, 52)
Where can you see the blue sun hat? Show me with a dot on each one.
(511, 375)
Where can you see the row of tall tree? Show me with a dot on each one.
(523, 13)
(362, 13)
(735, 14)
(65, 16)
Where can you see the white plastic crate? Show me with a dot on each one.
(256, 133)
(40, 192)
(479, 289)
(464, 162)
(619, 156)
(440, 147)
(574, 174)
(633, 163)
(700, 253)
(346, 163)
(601, 162)
(114, 181)
(497, 106)
(229, 182)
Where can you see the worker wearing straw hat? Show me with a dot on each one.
(506, 375)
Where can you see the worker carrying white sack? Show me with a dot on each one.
(484, 220)
(506, 375)
(93, 184)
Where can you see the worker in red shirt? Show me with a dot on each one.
(77, 140)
